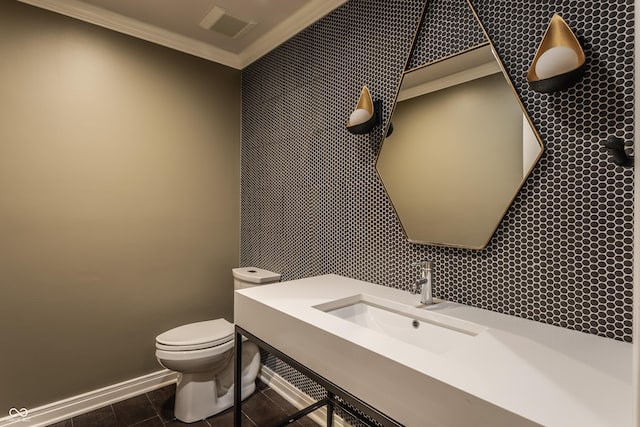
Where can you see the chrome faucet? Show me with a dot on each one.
(424, 285)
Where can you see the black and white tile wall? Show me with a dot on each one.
(312, 202)
(449, 27)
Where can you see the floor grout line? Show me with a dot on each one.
(160, 402)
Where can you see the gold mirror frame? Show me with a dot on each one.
(422, 195)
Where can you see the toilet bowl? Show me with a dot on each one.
(202, 354)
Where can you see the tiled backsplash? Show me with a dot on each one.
(312, 202)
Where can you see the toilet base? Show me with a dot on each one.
(197, 392)
(195, 402)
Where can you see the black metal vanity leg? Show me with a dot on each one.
(330, 396)
(237, 381)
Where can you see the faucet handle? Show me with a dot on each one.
(414, 289)
(426, 265)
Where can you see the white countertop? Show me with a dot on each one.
(515, 372)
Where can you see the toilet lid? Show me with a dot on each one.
(197, 335)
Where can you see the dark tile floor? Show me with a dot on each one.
(155, 409)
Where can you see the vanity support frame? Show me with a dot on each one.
(336, 396)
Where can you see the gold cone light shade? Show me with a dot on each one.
(364, 116)
(559, 61)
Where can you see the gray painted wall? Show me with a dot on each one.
(119, 202)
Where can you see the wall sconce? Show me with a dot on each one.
(559, 61)
(615, 147)
(366, 115)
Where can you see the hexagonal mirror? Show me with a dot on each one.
(461, 148)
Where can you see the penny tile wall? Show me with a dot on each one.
(313, 204)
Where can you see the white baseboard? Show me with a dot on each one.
(296, 397)
(87, 402)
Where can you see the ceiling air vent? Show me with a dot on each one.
(220, 21)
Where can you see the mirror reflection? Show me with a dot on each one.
(461, 148)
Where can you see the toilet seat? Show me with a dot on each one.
(196, 336)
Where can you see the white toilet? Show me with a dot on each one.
(202, 354)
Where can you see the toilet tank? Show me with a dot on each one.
(246, 277)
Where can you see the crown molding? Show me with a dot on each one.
(116, 22)
(295, 23)
(307, 15)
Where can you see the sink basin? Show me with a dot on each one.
(415, 326)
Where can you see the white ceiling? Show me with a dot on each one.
(175, 23)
